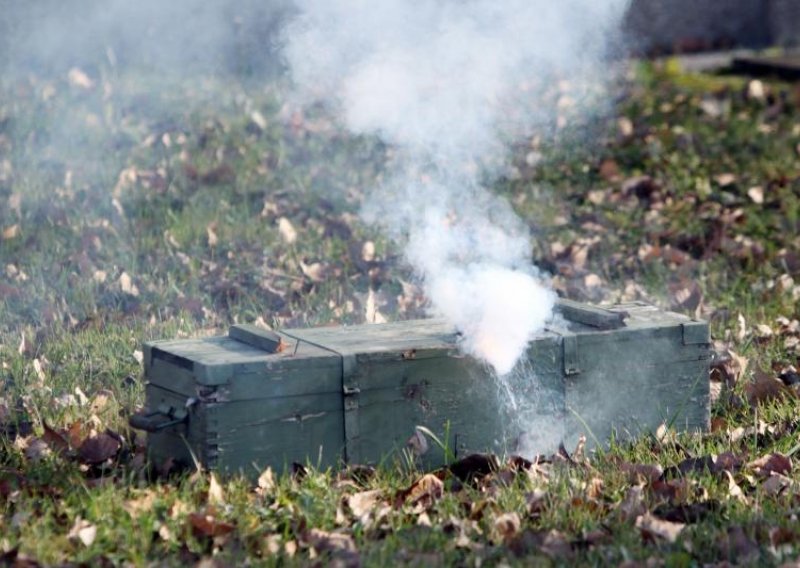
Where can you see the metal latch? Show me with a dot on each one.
(160, 419)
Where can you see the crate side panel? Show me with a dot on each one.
(627, 400)
(251, 435)
(462, 402)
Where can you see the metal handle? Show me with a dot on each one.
(593, 316)
(158, 420)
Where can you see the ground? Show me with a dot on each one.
(135, 207)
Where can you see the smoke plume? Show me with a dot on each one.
(449, 83)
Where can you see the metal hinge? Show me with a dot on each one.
(569, 344)
(569, 350)
(351, 392)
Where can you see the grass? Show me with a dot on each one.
(154, 211)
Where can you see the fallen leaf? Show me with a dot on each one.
(10, 232)
(474, 466)
(638, 473)
(769, 464)
(97, 449)
(54, 440)
(141, 504)
(632, 505)
(216, 496)
(78, 78)
(211, 232)
(652, 528)
(417, 443)
(325, 541)
(756, 194)
(127, 285)
(734, 491)
(423, 493)
(205, 524)
(506, 526)
(364, 502)
(765, 387)
(552, 543)
(776, 484)
(287, 231)
(316, 271)
(266, 482)
(83, 531)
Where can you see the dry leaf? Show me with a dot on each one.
(765, 387)
(423, 493)
(266, 482)
(652, 527)
(506, 526)
(83, 531)
(287, 230)
(11, 232)
(324, 541)
(216, 495)
(776, 484)
(315, 271)
(205, 524)
(756, 194)
(770, 464)
(140, 505)
(417, 443)
(78, 78)
(368, 251)
(97, 449)
(127, 285)
(364, 502)
(259, 120)
(212, 234)
(734, 490)
(632, 506)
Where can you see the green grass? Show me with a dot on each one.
(186, 161)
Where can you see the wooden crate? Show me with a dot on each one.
(358, 393)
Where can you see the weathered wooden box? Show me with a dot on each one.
(357, 394)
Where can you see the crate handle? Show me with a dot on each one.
(593, 316)
(157, 420)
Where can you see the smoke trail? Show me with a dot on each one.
(449, 83)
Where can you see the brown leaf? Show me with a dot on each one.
(638, 473)
(776, 484)
(362, 503)
(766, 387)
(55, 441)
(771, 464)
(734, 491)
(728, 367)
(216, 496)
(632, 505)
(423, 493)
(552, 543)
(506, 526)
(474, 467)
(266, 482)
(609, 170)
(205, 524)
(685, 295)
(97, 449)
(653, 528)
(325, 541)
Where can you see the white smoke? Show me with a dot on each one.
(449, 83)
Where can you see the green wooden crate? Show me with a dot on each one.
(358, 393)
